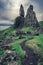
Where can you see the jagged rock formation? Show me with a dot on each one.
(19, 21)
(30, 19)
(21, 10)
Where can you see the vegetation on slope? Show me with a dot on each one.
(36, 43)
(41, 23)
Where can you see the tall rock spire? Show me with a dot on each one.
(21, 10)
(31, 19)
(19, 21)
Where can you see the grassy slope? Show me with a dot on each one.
(41, 23)
(37, 39)
(36, 43)
(16, 46)
(7, 30)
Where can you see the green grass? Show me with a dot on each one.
(8, 30)
(41, 23)
(25, 29)
(41, 42)
(16, 46)
(1, 52)
(36, 43)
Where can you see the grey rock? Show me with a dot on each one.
(28, 32)
(20, 32)
(41, 30)
(21, 10)
(21, 37)
(19, 22)
(30, 19)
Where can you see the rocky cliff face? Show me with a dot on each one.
(30, 19)
(19, 21)
(22, 11)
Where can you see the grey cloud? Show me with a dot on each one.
(8, 4)
(3, 4)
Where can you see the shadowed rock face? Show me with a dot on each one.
(21, 10)
(19, 22)
(30, 19)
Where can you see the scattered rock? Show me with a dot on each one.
(39, 45)
(13, 35)
(41, 30)
(0, 41)
(8, 56)
(37, 34)
(6, 33)
(7, 41)
(21, 37)
(28, 32)
(20, 32)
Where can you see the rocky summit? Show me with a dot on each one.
(19, 21)
(31, 19)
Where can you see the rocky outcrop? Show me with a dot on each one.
(30, 19)
(19, 21)
(21, 10)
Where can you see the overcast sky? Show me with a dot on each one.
(9, 9)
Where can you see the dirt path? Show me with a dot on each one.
(31, 58)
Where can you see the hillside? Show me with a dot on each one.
(7, 30)
(41, 23)
(28, 37)
(22, 43)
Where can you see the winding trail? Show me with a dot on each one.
(31, 58)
